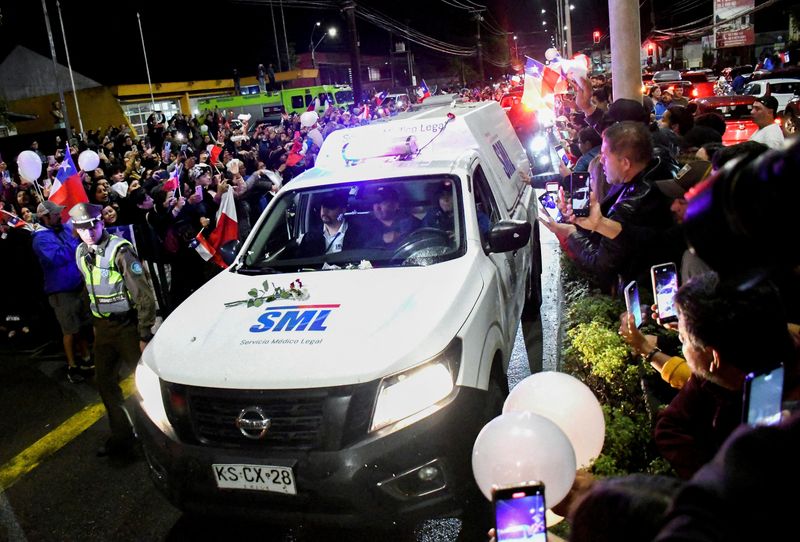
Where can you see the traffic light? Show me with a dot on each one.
(596, 36)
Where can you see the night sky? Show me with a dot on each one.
(184, 42)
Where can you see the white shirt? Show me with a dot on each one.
(333, 242)
(771, 136)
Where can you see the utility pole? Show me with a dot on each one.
(568, 27)
(626, 36)
(55, 73)
(286, 40)
(478, 19)
(275, 33)
(349, 10)
(559, 33)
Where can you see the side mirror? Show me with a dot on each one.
(508, 235)
(228, 251)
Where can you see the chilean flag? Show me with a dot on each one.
(423, 91)
(365, 114)
(202, 246)
(540, 81)
(67, 190)
(14, 221)
(380, 97)
(227, 227)
(173, 183)
(213, 153)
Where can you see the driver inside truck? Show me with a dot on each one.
(336, 233)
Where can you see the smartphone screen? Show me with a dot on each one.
(763, 395)
(520, 513)
(549, 201)
(562, 154)
(632, 302)
(564, 134)
(552, 186)
(665, 286)
(579, 192)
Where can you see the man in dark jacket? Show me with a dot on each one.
(633, 201)
(54, 246)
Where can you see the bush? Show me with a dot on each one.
(596, 354)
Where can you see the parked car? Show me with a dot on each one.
(696, 84)
(702, 83)
(737, 112)
(781, 88)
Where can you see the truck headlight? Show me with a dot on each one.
(418, 391)
(149, 387)
(538, 144)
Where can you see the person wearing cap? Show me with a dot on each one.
(663, 103)
(55, 246)
(337, 233)
(388, 225)
(123, 306)
(765, 109)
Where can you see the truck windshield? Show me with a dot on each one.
(406, 222)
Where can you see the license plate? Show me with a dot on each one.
(255, 477)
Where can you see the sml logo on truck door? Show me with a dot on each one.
(505, 160)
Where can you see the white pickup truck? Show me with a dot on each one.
(340, 369)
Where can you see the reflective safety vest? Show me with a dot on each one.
(107, 292)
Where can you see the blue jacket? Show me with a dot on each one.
(56, 253)
(583, 162)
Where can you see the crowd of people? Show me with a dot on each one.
(665, 189)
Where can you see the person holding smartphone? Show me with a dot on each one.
(633, 199)
(726, 333)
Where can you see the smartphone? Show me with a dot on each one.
(549, 201)
(51, 160)
(763, 395)
(562, 154)
(198, 190)
(632, 302)
(552, 186)
(579, 193)
(167, 146)
(519, 513)
(665, 286)
(564, 134)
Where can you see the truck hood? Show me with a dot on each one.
(355, 326)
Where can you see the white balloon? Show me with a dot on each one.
(519, 447)
(204, 128)
(88, 160)
(551, 53)
(30, 165)
(308, 119)
(569, 403)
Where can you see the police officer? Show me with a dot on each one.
(123, 306)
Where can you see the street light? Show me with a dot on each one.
(543, 11)
(331, 32)
(516, 50)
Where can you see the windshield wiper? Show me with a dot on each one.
(258, 271)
